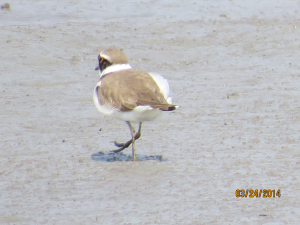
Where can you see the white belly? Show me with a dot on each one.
(138, 114)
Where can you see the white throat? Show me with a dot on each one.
(114, 68)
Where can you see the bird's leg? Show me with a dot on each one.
(126, 145)
(132, 131)
(138, 134)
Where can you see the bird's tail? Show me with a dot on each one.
(169, 108)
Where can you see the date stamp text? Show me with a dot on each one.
(265, 193)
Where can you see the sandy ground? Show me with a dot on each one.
(234, 70)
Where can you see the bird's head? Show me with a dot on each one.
(110, 57)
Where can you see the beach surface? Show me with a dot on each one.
(233, 68)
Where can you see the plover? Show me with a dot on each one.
(129, 94)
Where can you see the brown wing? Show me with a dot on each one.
(130, 88)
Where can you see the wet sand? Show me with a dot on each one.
(233, 68)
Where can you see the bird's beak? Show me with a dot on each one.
(97, 68)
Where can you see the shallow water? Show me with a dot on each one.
(233, 70)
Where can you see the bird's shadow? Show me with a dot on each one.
(119, 156)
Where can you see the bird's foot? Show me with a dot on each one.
(134, 158)
(119, 144)
(122, 146)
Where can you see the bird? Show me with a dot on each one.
(129, 94)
